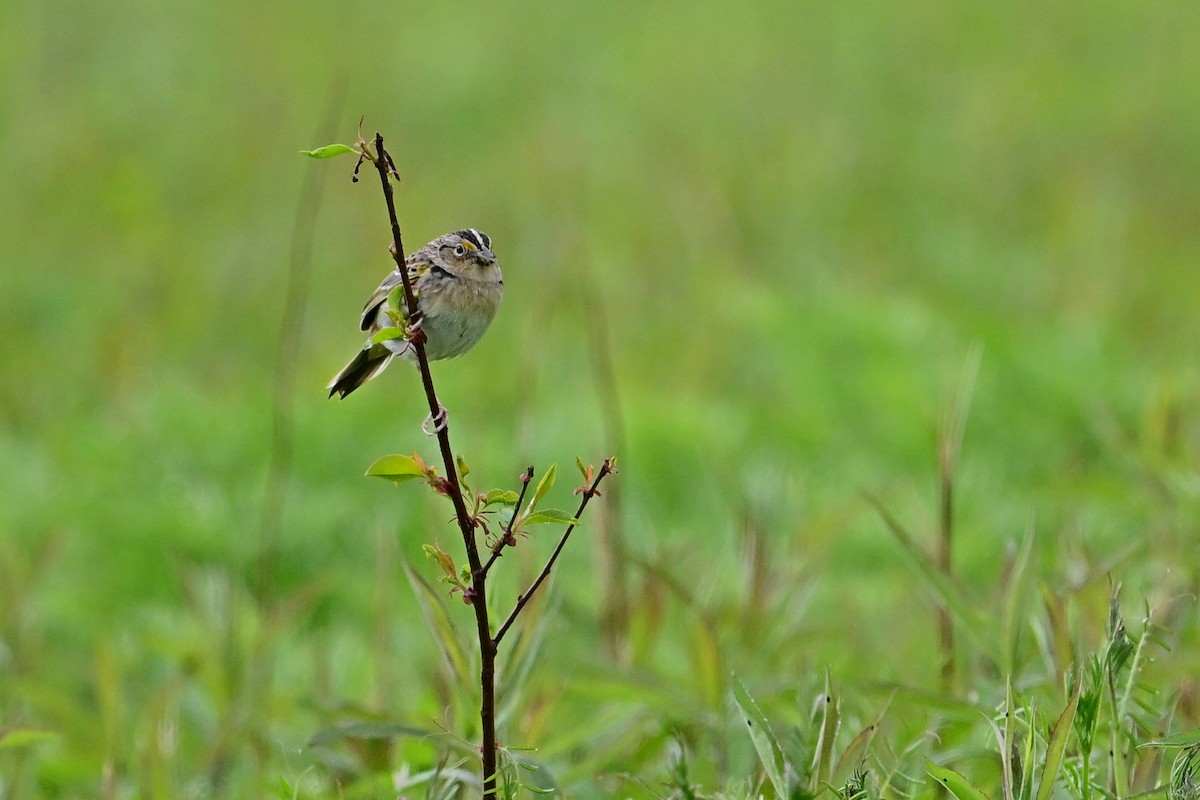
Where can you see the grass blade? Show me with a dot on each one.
(958, 786)
(944, 590)
(1015, 595)
(856, 751)
(1027, 755)
(1057, 746)
(368, 730)
(830, 719)
(765, 743)
(450, 646)
(1181, 739)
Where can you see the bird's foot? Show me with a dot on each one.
(413, 331)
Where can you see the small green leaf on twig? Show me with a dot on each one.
(463, 471)
(397, 307)
(591, 477)
(387, 334)
(553, 515)
(397, 469)
(444, 560)
(329, 151)
(397, 300)
(544, 486)
(501, 497)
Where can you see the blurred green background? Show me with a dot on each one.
(787, 226)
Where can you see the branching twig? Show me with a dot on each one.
(588, 494)
(476, 593)
(487, 647)
(508, 538)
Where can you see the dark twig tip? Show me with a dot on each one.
(509, 538)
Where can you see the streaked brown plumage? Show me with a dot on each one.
(458, 286)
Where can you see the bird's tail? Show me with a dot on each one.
(369, 362)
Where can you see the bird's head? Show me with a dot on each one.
(467, 248)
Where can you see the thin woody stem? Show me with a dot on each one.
(588, 494)
(505, 540)
(487, 648)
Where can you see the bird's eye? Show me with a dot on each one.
(459, 250)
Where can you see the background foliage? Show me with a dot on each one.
(789, 223)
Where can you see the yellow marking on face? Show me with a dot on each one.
(467, 244)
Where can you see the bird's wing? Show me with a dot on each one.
(415, 270)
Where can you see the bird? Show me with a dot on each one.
(458, 285)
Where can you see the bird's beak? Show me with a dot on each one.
(485, 257)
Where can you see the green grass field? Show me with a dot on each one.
(812, 241)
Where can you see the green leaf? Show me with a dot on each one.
(329, 151)
(445, 561)
(440, 775)
(959, 786)
(854, 753)
(705, 661)
(1185, 774)
(544, 486)
(830, 720)
(525, 653)
(23, 737)
(1158, 793)
(1006, 743)
(1182, 739)
(1057, 745)
(387, 334)
(537, 777)
(765, 743)
(502, 497)
(453, 652)
(1029, 754)
(366, 730)
(396, 469)
(553, 515)
(582, 469)
(396, 300)
(463, 471)
(1016, 593)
